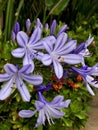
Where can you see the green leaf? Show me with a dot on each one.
(60, 7)
(68, 122)
(81, 115)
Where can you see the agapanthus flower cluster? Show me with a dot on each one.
(55, 51)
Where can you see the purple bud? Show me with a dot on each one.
(63, 28)
(28, 24)
(16, 28)
(38, 23)
(53, 27)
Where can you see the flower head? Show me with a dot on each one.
(16, 76)
(61, 52)
(47, 110)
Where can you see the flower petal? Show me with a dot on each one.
(36, 35)
(62, 38)
(22, 89)
(33, 79)
(4, 77)
(22, 38)
(6, 90)
(46, 59)
(28, 60)
(19, 52)
(65, 104)
(57, 99)
(26, 69)
(67, 48)
(10, 68)
(48, 46)
(63, 28)
(58, 69)
(26, 113)
(41, 118)
(89, 89)
(72, 59)
(39, 105)
(53, 112)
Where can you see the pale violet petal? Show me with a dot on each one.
(26, 69)
(33, 79)
(46, 59)
(58, 69)
(26, 113)
(19, 52)
(48, 46)
(89, 89)
(10, 68)
(6, 90)
(57, 99)
(41, 118)
(28, 60)
(63, 28)
(22, 38)
(67, 48)
(22, 89)
(39, 105)
(36, 35)
(4, 77)
(54, 112)
(51, 39)
(71, 59)
(65, 104)
(61, 40)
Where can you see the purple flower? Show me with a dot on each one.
(29, 47)
(15, 76)
(61, 53)
(53, 28)
(47, 110)
(87, 74)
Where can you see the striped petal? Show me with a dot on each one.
(46, 60)
(26, 69)
(57, 100)
(26, 113)
(36, 35)
(19, 52)
(61, 40)
(67, 48)
(28, 60)
(72, 59)
(6, 90)
(4, 77)
(48, 46)
(63, 28)
(22, 89)
(10, 68)
(58, 69)
(33, 79)
(22, 39)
